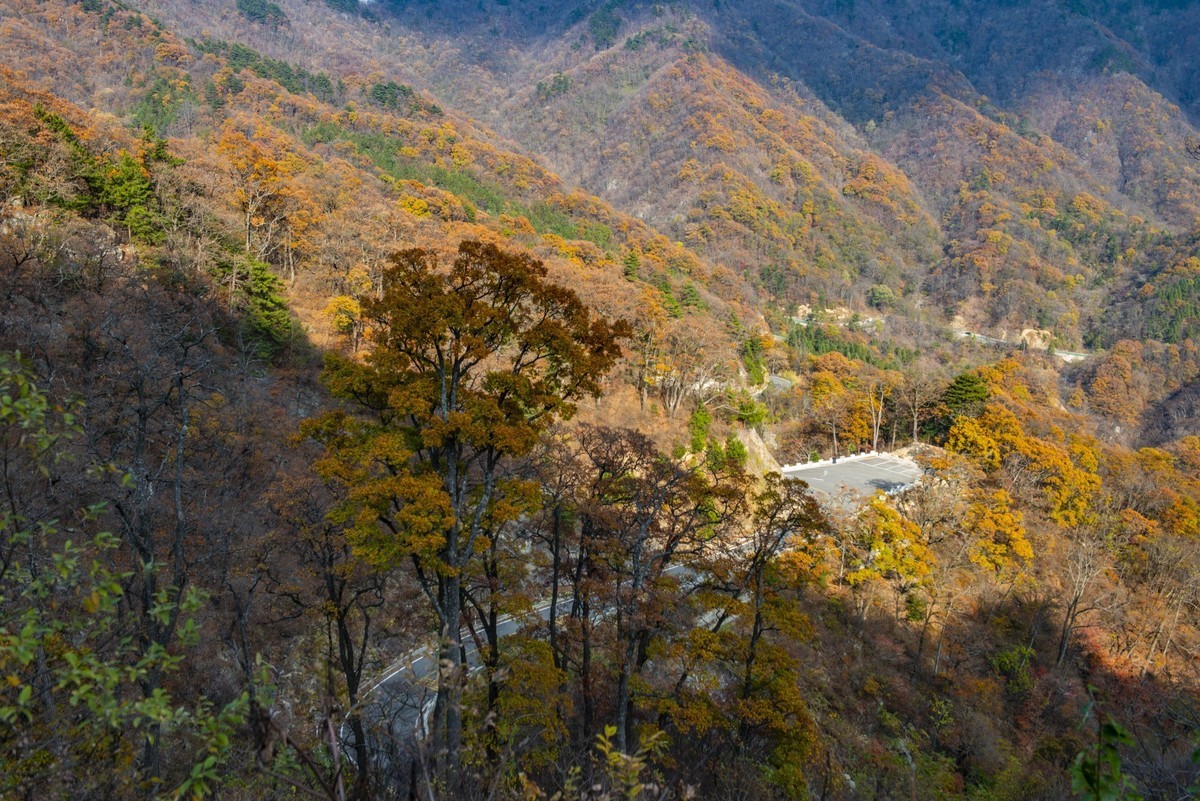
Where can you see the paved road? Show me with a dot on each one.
(401, 701)
(857, 478)
(1065, 355)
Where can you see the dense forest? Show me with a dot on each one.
(394, 398)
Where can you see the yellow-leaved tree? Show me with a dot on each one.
(885, 547)
(999, 544)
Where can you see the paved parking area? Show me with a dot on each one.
(858, 476)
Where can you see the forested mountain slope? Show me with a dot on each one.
(666, 247)
(1027, 167)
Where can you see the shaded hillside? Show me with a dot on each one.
(1005, 49)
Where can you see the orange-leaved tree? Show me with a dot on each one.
(468, 367)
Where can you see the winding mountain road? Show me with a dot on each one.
(1065, 355)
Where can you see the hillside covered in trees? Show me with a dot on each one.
(338, 336)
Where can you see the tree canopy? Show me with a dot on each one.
(469, 365)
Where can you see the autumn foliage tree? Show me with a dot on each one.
(885, 547)
(644, 514)
(766, 618)
(469, 366)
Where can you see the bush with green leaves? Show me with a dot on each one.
(1096, 773)
(698, 425)
(1013, 664)
(74, 720)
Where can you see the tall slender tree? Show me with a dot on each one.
(468, 367)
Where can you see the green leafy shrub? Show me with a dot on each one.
(1013, 664)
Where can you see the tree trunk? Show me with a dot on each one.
(555, 571)
(937, 658)
(448, 708)
(352, 671)
(916, 666)
(624, 702)
(756, 632)
(585, 671)
(492, 666)
(1064, 640)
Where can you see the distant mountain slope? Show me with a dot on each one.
(328, 173)
(1005, 49)
(1020, 164)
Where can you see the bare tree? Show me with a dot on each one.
(918, 393)
(646, 513)
(878, 387)
(690, 364)
(1192, 146)
(310, 565)
(1088, 556)
(1170, 574)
